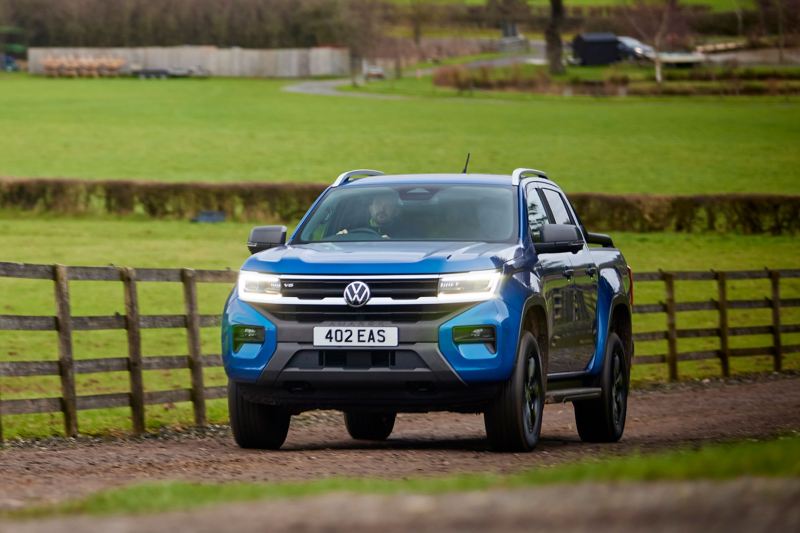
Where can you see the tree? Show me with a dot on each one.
(552, 35)
(507, 13)
(654, 20)
(361, 31)
(420, 13)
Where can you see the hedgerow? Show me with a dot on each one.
(739, 213)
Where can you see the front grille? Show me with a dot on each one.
(370, 313)
(399, 289)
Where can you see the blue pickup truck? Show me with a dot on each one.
(412, 293)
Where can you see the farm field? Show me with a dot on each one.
(250, 130)
(143, 243)
(709, 451)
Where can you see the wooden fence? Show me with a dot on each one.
(722, 305)
(66, 367)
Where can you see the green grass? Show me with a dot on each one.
(775, 458)
(160, 243)
(249, 130)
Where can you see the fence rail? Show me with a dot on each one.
(66, 367)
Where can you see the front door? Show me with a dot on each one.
(585, 308)
(556, 273)
(579, 345)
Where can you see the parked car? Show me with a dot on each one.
(164, 73)
(374, 72)
(634, 50)
(433, 292)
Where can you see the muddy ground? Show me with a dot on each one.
(421, 445)
(747, 505)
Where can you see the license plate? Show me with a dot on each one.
(355, 336)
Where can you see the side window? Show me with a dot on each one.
(537, 214)
(557, 207)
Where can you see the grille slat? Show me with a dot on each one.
(374, 313)
(314, 289)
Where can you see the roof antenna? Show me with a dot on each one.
(466, 165)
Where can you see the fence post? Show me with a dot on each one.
(195, 353)
(128, 276)
(722, 304)
(672, 336)
(1, 417)
(66, 363)
(775, 279)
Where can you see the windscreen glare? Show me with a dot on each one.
(414, 213)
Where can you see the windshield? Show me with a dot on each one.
(414, 213)
(631, 42)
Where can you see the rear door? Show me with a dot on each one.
(583, 299)
(557, 287)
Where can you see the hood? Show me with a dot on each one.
(382, 257)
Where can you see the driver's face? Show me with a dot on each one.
(382, 210)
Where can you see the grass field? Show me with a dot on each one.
(774, 458)
(249, 130)
(240, 130)
(141, 243)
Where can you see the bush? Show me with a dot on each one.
(241, 201)
(287, 202)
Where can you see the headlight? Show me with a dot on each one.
(258, 287)
(469, 285)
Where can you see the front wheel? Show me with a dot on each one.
(256, 425)
(603, 419)
(514, 419)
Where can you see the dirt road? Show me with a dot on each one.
(431, 444)
(747, 505)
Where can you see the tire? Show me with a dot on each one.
(514, 419)
(369, 426)
(255, 425)
(603, 419)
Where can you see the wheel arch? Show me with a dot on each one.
(534, 320)
(621, 323)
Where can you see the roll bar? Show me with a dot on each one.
(344, 177)
(520, 173)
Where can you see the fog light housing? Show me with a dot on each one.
(247, 335)
(476, 335)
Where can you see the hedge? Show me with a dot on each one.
(286, 202)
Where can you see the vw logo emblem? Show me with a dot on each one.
(356, 294)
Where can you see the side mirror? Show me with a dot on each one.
(559, 238)
(266, 237)
(599, 238)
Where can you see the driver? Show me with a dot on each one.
(383, 211)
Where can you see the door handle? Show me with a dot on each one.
(568, 273)
(591, 271)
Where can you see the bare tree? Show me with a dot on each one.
(420, 13)
(362, 31)
(507, 13)
(552, 35)
(781, 38)
(653, 20)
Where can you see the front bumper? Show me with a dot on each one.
(427, 368)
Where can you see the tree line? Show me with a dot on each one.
(245, 23)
